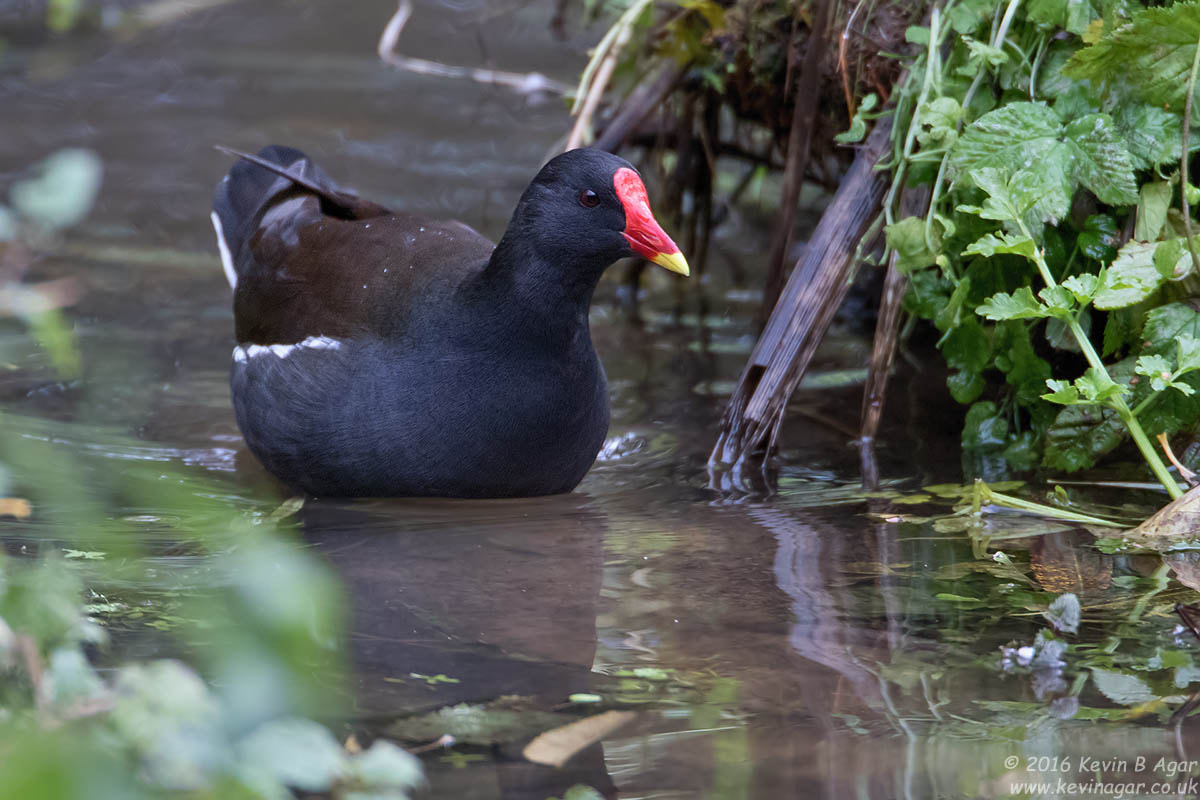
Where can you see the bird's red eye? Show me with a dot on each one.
(589, 198)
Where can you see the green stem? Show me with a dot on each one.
(1183, 159)
(1049, 511)
(1117, 403)
(914, 125)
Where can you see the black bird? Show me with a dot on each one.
(385, 354)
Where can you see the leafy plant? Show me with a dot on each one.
(1052, 253)
(264, 638)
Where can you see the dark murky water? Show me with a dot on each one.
(819, 644)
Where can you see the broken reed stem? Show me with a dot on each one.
(525, 83)
(804, 115)
(913, 202)
(806, 307)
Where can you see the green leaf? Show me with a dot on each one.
(1099, 238)
(928, 292)
(1152, 53)
(965, 386)
(56, 336)
(1130, 279)
(1022, 142)
(1119, 330)
(1097, 386)
(1080, 435)
(1153, 202)
(1013, 137)
(1023, 452)
(298, 752)
(1122, 688)
(1171, 659)
(1157, 369)
(63, 192)
(1059, 334)
(70, 679)
(1171, 412)
(855, 133)
(1189, 354)
(1166, 324)
(1152, 134)
(1059, 301)
(172, 719)
(1062, 392)
(385, 766)
(1163, 374)
(1043, 193)
(948, 317)
(981, 53)
(1024, 370)
(966, 346)
(1083, 287)
(1080, 15)
(984, 427)
(1187, 675)
(62, 15)
(907, 238)
(1102, 162)
(1172, 259)
(916, 34)
(967, 15)
(939, 122)
(1047, 13)
(992, 244)
(1073, 15)
(1021, 304)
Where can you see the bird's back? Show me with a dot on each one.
(308, 258)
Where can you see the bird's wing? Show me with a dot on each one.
(309, 258)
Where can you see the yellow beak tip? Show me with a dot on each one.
(675, 262)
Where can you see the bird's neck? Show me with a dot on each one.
(546, 293)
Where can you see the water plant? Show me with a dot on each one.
(1056, 254)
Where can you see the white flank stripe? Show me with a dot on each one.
(242, 354)
(226, 256)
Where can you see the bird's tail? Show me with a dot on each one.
(249, 189)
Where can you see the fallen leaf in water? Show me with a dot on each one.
(15, 507)
(555, 747)
(1178, 519)
(1186, 566)
(1063, 562)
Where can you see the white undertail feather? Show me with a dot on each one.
(226, 256)
(243, 353)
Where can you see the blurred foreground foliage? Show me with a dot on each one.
(264, 637)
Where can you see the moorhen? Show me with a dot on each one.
(381, 353)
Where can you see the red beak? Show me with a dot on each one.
(645, 235)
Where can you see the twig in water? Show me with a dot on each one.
(525, 83)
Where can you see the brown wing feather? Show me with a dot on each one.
(319, 274)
